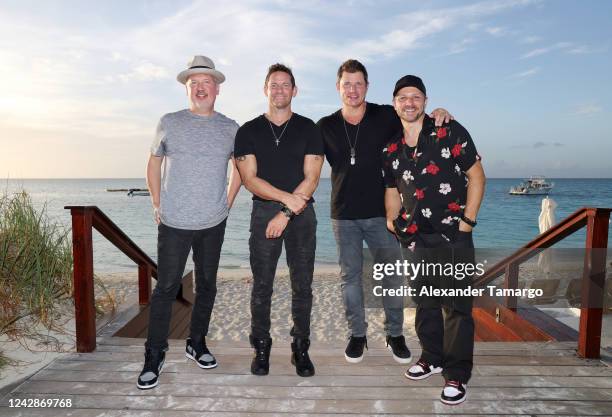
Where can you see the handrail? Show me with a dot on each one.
(84, 218)
(594, 271)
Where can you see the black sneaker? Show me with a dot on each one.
(201, 355)
(354, 349)
(397, 346)
(421, 370)
(454, 393)
(154, 362)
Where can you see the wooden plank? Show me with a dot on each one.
(395, 380)
(593, 284)
(337, 360)
(339, 353)
(84, 304)
(369, 407)
(281, 366)
(408, 392)
(180, 413)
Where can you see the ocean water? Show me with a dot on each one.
(504, 221)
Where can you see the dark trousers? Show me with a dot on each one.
(445, 326)
(173, 246)
(300, 243)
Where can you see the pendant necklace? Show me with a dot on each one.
(278, 138)
(351, 146)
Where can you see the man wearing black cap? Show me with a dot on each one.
(353, 138)
(435, 184)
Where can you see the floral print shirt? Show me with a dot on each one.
(430, 178)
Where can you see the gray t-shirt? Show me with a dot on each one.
(196, 150)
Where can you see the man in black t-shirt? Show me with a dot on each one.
(279, 156)
(435, 184)
(354, 137)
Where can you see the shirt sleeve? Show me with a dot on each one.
(243, 144)
(387, 172)
(315, 141)
(158, 147)
(463, 148)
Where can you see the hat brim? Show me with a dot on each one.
(184, 75)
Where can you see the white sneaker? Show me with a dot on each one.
(454, 393)
(421, 370)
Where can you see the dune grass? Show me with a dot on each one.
(35, 263)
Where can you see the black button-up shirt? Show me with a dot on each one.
(430, 178)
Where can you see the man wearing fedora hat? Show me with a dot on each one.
(191, 201)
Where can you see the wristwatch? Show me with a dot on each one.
(470, 222)
(287, 212)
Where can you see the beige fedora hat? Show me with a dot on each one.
(200, 64)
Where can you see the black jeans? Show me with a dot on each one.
(173, 246)
(300, 244)
(444, 325)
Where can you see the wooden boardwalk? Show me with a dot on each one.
(519, 379)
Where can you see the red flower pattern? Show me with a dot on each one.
(441, 133)
(456, 151)
(392, 148)
(419, 194)
(454, 207)
(432, 168)
(412, 228)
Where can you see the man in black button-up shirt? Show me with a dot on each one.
(435, 184)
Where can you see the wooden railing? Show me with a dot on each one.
(84, 219)
(596, 221)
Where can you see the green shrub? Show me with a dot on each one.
(35, 262)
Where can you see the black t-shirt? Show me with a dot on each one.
(431, 176)
(358, 190)
(281, 165)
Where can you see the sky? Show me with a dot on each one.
(83, 83)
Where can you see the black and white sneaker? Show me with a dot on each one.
(454, 393)
(200, 354)
(354, 349)
(154, 362)
(421, 370)
(397, 346)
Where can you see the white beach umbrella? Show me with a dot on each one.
(545, 222)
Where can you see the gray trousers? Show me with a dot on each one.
(350, 235)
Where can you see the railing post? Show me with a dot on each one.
(593, 284)
(144, 284)
(84, 303)
(511, 281)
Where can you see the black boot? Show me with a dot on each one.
(260, 365)
(300, 358)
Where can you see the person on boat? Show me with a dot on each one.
(279, 155)
(435, 185)
(191, 202)
(354, 137)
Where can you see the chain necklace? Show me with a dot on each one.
(278, 138)
(351, 146)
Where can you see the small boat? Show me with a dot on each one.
(133, 192)
(535, 185)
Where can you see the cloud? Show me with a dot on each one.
(540, 144)
(524, 74)
(530, 39)
(495, 31)
(587, 109)
(145, 72)
(566, 47)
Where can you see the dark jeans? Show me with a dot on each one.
(173, 246)
(444, 325)
(300, 243)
